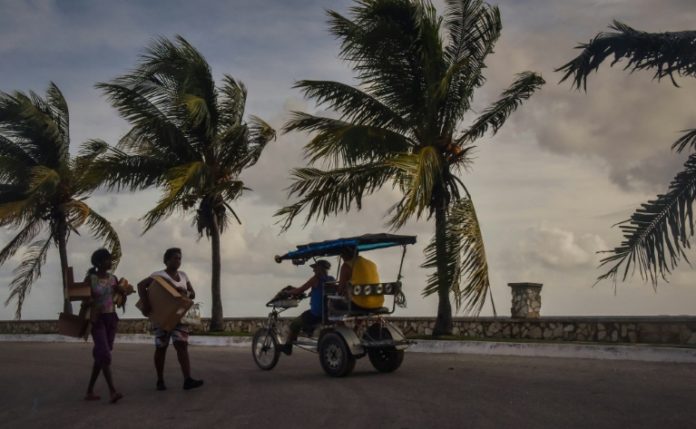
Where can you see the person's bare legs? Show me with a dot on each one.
(90, 396)
(160, 356)
(183, 356)
(115, 395)
(295, 327)
(106, 369)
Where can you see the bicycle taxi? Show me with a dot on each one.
(343, 335)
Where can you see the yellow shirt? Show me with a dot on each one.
(364, 271)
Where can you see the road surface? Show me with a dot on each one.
(42, 385)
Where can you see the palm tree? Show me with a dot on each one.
(188, 138)
(43, 189)
(401, 126)
(657, 233)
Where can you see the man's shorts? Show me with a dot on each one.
(305, 321)
(179, 334)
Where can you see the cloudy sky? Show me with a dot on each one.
(548, 187)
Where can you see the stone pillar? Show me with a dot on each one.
(526, 300)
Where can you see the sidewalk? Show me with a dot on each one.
(643, 353)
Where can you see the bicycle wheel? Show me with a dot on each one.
(264, 348)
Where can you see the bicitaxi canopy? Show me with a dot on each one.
(334, 247)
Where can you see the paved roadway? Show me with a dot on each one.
(41, 385)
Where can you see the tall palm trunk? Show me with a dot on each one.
(216, 314)
(61, 232)
(443, 323)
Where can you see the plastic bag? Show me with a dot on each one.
(192, 316)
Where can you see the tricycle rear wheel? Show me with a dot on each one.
(264, 347)
(385, 358)
(335, 356)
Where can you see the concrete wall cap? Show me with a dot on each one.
(534, 285)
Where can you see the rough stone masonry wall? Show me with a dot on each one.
(526, 300)
(654, 330)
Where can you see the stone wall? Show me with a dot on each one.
(652, 330)
(675, 330)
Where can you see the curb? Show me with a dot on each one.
(196, 340)
(643, 353)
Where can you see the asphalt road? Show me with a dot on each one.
(42, 385)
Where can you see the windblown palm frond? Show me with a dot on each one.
(26, 273)
(495, 116)
(668, 53)
(15, 159)
(658, 232)
(356, 106)
(153, 128)
(23, 237)
(164, 208)
(260, 134)
(29, 121)
(340, 143)
(18, 209)
(232, 102)
(182, 180)
(467, 266)
(473, 29)
(421, 174)
(91, 149)
(325, 193)
(103, 230)
(59, 112)
(118, 170)
(688, 140)
(83, 178)
(395, 46)
(76, 212)
(44, 180)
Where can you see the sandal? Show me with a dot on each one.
(92, 397)
(115, 397)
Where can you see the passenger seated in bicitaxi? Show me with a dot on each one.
(357, 270)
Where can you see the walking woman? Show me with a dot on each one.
(180, 334)
(104, 321)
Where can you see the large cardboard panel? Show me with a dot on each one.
(72, 325)
(77, 291)
(140, 305)
(168, 305)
